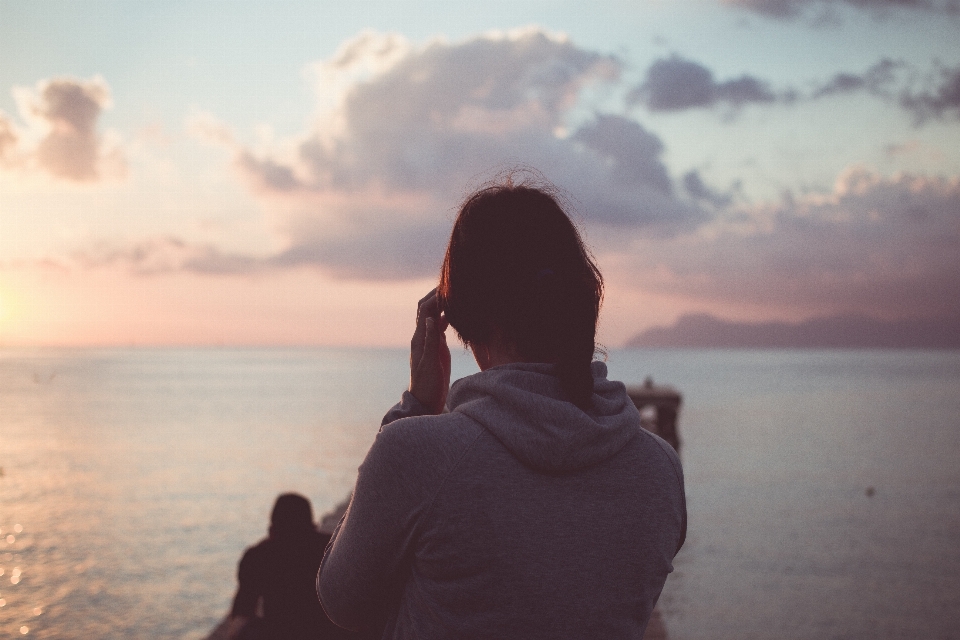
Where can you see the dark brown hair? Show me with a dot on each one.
(291, 516)
(516, 266)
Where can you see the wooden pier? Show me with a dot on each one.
(665, 401)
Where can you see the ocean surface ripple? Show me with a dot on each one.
(823, 486)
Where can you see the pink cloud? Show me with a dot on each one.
(61, 136)
(8, 138)
(884, 246)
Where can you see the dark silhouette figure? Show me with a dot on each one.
(278, 577)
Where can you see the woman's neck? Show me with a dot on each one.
(494, 353)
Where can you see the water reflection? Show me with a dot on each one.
(178, 451)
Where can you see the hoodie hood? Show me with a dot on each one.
(522, 405)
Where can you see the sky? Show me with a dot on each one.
(287, 172)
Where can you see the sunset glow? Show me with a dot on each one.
(287, 173)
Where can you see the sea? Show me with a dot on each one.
(823, 487)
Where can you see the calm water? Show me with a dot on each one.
(138, 477)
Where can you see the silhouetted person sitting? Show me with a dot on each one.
(279, 574)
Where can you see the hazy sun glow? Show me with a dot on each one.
(7, 306)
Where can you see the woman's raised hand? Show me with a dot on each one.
(430, 356)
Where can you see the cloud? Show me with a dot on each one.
(700, 191)
(349, 255)
(888, 247)
(934, 95)
(876, 80)
(634, 151)
(404, 132)
(207, 128)
(167, 254)
(884, 247)
(8, 139)
(61, 136)
(784, 9)
(939, 100)
(379, 253)
(676, 84)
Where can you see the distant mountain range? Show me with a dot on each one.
(836, 332)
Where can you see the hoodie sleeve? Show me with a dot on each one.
(407, 407)
(369, 557)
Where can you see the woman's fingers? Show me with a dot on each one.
(427, 307)
(435, 344)
(432, 294)
(444, 359)
(429, 355)
(431, 345)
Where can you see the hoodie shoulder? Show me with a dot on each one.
(422, 449)
(444, 427)
(668, 452)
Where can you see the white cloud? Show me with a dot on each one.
(405, 131)
(60, 136)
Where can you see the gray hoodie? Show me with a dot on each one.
(515, 515)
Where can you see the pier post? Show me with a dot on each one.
(666, 401)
